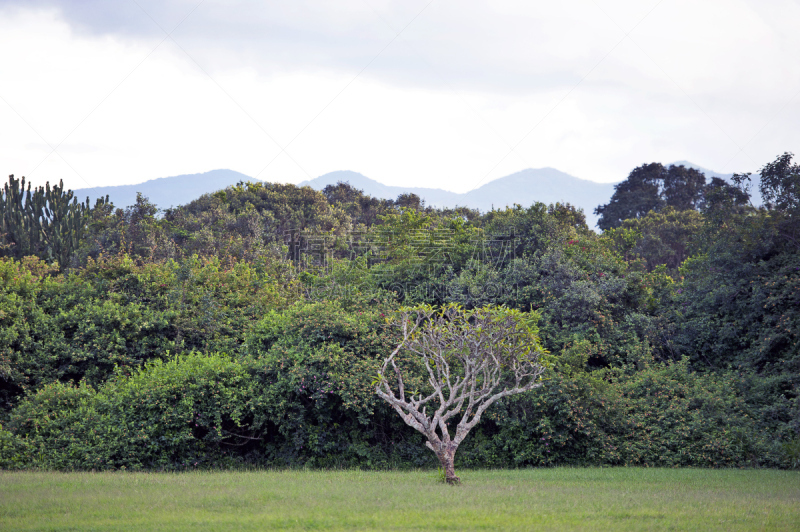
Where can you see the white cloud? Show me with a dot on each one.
(439, 105)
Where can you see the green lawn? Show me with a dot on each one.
(542, 499)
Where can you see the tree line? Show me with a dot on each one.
(247, 326)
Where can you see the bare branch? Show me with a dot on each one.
(472, 358)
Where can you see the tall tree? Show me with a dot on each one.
(683, 187)
(363, 209)
(780, 188)
(409, 200)
(780, 184)
(721, 195)
(639, 194)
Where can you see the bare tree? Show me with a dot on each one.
(457, 362)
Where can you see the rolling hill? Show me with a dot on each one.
(167, 192)
(546, 185)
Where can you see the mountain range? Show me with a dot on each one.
(166, 192)
(546, 185)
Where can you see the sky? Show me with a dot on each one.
(437, 93)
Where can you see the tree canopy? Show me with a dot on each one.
(653, 187)
(248, 327)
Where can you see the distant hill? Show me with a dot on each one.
(547, 185)
(432, 196)
(167, 192)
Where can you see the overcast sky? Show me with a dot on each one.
(440, 93)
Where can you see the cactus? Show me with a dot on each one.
(47, 222)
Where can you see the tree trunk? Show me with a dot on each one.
(446, 457)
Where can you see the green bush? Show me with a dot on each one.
(313, 367)
(662, 416)
(668, 415)
(117, 313)
(12, 450)
(186, 412)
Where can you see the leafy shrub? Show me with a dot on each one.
(117, 313)
(313, 367)
(664, 415)
(12, 450)
(671, 416)
(182, 413)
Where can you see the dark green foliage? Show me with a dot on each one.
(683, 188)
(184, 413)
(674, 333)
(780, 184)
(652, 187)
(314, 407)
(722, 198)
(115, 312)
(634, 197)
(418, 254)
(660, 416)
(13, 451)
(363, 210)
(135, 231)
(409, 201)
(780, 188)
(313, 367)
(660, 238)
(740, 306)
(582, 288)
(671, 416)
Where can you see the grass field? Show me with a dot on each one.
(541, 499)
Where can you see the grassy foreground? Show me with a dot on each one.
(541, 499)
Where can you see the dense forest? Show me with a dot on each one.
(245, 328)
